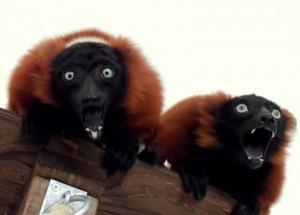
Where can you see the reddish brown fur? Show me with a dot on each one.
(179, 125)
(207, 105)
(31, 80)
(175, 129)
(275, 180)
(192, 118)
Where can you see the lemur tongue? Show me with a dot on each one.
(256, 142)
(93, 124)
(254, 152)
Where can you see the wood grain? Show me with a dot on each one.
(152, 190)
(147, 190)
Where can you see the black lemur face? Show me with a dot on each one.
(89, 79)
(250, 128)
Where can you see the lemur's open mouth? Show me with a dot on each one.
(256, 143)
(92, 118)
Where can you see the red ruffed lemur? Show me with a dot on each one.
(88, 83)
(235, 143)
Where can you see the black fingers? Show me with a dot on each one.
(185, 179)
(192, 183)
(148, 155)
(120, 157)
(246, 209)
(42, 121)
(35, 130)
(198, 187)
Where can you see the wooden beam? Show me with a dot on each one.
(145, 189)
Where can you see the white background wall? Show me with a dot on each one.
(198, 46)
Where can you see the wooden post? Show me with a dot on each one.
(148, 190)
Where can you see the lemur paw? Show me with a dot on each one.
(244, 209)
(148, 154)
(35, 131)
(120, 157)
(195, 184)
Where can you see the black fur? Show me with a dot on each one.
(87, 101)
(42, 121)
(229, 167)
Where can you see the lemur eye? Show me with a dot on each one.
(107, 73)
(68, 76)
(241, 108)
(276, 113)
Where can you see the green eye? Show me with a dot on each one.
(241, 108)
(108, 73)
(276, 113)
(68, 76)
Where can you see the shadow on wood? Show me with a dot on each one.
(148, 190)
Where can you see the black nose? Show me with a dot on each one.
(267, 118)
